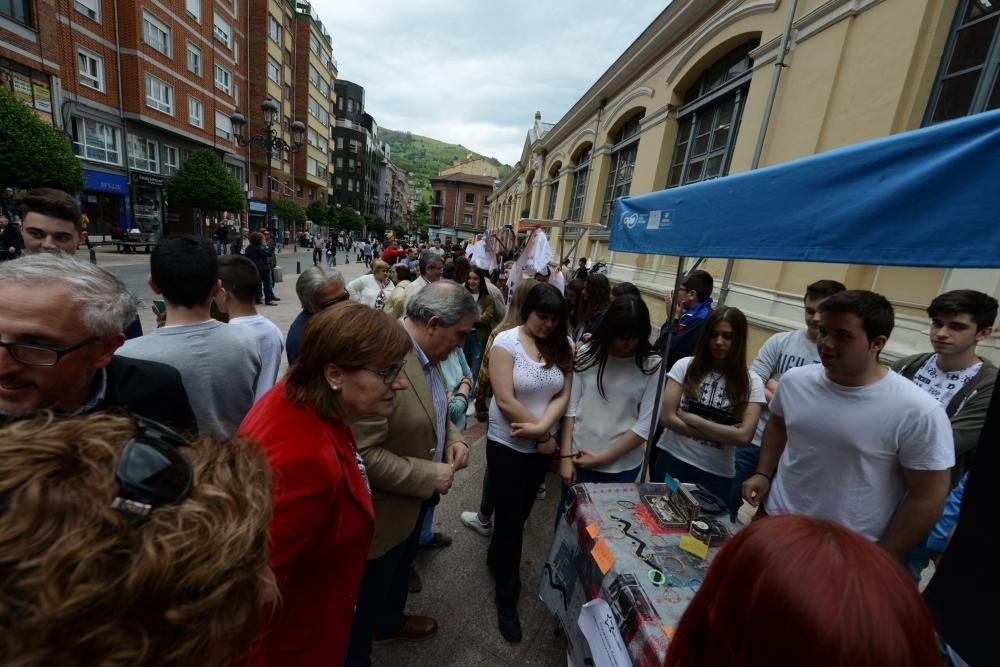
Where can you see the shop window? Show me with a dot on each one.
(967, 82)
(156, 33)
(91, 68)
(159, 95)
(581, 172)
(96, 141)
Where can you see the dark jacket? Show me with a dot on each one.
(686, 332)
(10, 237)
(261, 257)
(148, 389)
(966, 410)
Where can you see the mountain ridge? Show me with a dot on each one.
(424, 157)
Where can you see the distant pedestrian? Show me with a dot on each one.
(221, 239)
(318, 246)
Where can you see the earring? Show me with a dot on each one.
(334, 387)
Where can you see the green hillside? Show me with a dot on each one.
(425, 157)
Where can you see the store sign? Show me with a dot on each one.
(43, 97)
(22, 89)
(147, 179)
(258, 207)
(103, 182)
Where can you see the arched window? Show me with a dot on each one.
(710, 118)
(553, 190)
(626, 147)
(581, 171)
(967, 80)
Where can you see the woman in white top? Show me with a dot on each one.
(710, 407)
(374, 288)
(531, 376)
(612, 401)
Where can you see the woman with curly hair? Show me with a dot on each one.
(350, 367)
(102, 566)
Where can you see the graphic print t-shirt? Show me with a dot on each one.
(943, 385)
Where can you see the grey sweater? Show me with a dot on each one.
(218, 364)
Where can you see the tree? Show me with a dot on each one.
(318, 212)
(35, 154)
(288, 211)
(350, 219)
(204, 182)
(422, 215)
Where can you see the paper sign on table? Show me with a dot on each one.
(598, 626)
(693, 546)
(602, 556)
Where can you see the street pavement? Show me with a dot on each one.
(457, 588)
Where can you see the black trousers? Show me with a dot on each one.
(514, 479)
(382, 598)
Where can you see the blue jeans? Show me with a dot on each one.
(668, 464)
(747, 459)
(427, 527)
(584, 476)
(473, 354)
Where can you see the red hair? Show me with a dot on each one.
(792, 590)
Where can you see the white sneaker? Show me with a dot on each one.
(471, 520)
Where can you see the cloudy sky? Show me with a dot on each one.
(475, 72)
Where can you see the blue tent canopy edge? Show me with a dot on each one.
(928, 197)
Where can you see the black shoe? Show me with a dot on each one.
(509, 624)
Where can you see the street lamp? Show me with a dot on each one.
(268, 139)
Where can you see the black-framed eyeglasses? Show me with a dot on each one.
(151, 470)
(389, 373)
(335, 300)
(31, 354)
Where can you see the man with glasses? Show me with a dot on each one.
(318, 287)
(411, 459)
(61, 321)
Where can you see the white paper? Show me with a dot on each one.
(598, 626)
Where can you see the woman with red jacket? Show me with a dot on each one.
(349, 367)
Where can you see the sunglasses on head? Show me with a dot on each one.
(151, 471)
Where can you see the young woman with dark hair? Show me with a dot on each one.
(793, 590)
(612, 401)
(596, 296)
(531, 375)
(710, 406)
(475, 342)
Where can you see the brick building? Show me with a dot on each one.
(291, 62)
(458, 204)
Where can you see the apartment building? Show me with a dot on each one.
(459, 204)
(359, 154)
(686, 101)
(145, 83)
(314, 92)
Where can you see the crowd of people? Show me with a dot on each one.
(172, 500)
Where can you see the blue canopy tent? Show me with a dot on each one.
(929, 197)
(923, 198)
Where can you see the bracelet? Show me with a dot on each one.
(764, 475)
(548, 437)
(570, 456)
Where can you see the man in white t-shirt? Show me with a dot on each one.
(239, 279)
(780, 353)
(851, 441)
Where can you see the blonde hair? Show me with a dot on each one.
(378, 264)
(80, 584)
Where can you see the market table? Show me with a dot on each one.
(610, 546)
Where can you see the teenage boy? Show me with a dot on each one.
(781, 352)
(239, 278)
(953, 374)
(694, 300)
(851, 441)
(218, 363)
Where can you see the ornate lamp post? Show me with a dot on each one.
(268, 139)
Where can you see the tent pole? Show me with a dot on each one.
(655, 419)
(779, 64)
